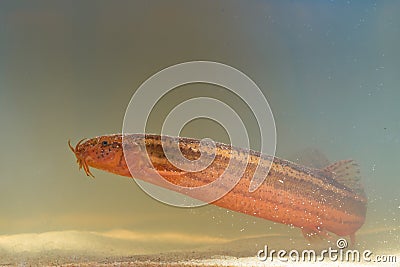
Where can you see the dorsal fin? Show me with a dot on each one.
(347, 172)
(310, 157)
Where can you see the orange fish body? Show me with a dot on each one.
(317, 201)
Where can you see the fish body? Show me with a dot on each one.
(316, 200)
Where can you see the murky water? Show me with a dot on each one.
(329, 71)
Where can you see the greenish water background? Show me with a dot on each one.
(330, 71)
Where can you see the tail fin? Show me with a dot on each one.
(347, 172)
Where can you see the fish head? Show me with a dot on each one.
(103, 152)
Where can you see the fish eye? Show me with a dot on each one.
(104, 143)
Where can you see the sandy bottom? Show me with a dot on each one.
(66, 250)
(219, 260)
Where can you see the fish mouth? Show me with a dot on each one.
(79, 159)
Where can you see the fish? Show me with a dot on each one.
(318, 201)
